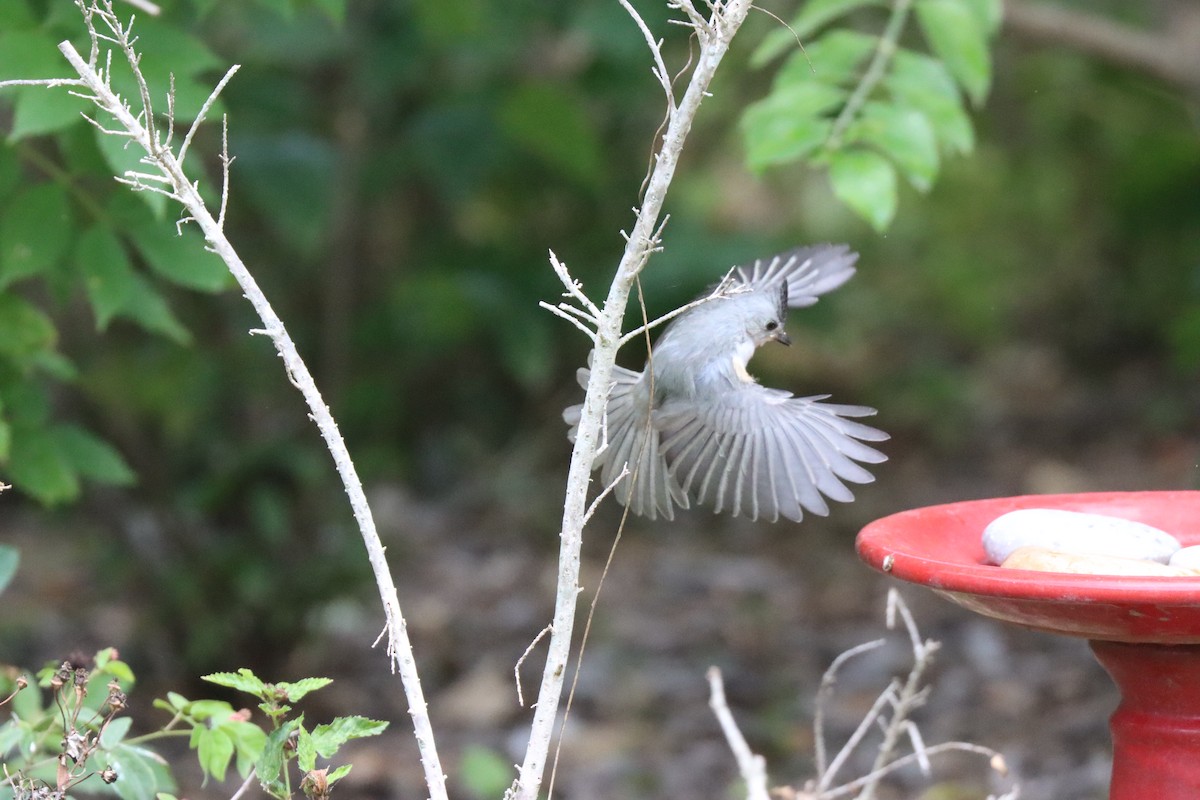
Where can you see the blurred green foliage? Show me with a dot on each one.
(402, 168)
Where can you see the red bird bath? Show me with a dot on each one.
(1144, 631)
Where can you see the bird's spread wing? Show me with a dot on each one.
(764, 453)
(629, 440)
(808, 271)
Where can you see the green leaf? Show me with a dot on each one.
(306, 751)
(114, 732)
(24, 329)
(957, 38)
(35, 232)
(485, 772)
(249, 741)
(108, 277)
(31, 55)
(11, 173)
(334, 9)
(214, 752)
(47, 463)
(99, 461)
(140, 772)
(989, 14)
(179, 255)
(10, 558)
(216, 710)
(833, 59)
(40, 110)
(551, 122)
(148, 308)
(243, 680)
(270, 764)
(124, 155)
(339, 773)
(329, 737)
(14, 15)
(921, 82)
(866, 182)
(295, 691)
(902, 134)
(814, 14)
(787, 125)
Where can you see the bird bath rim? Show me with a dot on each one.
(940, 547)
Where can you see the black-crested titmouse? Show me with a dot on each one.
(694, 426)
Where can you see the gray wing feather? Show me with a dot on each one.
(761, 452)
(808, 271)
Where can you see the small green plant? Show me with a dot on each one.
(78, 742)
(219, 732)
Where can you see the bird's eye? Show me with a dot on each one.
(772, 325)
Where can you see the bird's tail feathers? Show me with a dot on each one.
(629, 440)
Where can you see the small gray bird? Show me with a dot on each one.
(694, 426)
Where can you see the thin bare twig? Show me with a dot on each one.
(517, 667)
(753, 767)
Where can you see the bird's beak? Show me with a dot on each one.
(783, 338)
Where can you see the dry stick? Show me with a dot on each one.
(752, 766)
(399, 648)
(715, 36)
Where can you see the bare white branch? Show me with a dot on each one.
(753, 767)
(138, 127)
(145, 5)
(562, 310)
(202, 114)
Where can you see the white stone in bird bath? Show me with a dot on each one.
(1076, 532)
(1188, 557)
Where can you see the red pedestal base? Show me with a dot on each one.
(1156, 728)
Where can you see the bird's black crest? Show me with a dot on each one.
(783, 300)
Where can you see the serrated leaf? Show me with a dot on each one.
(866, 182)
(338, 774)
(902, 134)
(214, 751)
(306, 751)
(814, 15)
(99, 461)
(788, 125)
(114, 732)
(834, 59)
(243, 680)
(552, 123)
(921, 82)
(35, 232)
(217, 710)
(957, 38)
(329, 737)
(297, 690)
(180, 256)
(10, 559)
